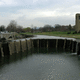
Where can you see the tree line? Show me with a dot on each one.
(14, 27)
(50, 28)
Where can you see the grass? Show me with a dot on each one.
(56, 33)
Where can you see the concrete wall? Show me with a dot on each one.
(7, 35)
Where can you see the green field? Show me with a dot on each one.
(56, 33)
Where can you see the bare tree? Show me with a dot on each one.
(35, 29)
(47, 28)
(12, 26)
(19, 29)
(57, 27)
(2, 28)
(69, 27)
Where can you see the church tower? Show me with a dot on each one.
(77, 26)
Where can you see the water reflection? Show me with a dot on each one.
(42, 65)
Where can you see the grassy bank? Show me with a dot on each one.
(55, 33)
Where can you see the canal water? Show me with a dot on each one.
(40, 65)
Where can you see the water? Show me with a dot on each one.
(40, 66)
(46, 37)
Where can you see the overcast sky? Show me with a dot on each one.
(39, 12)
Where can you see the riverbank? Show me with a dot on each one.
(56, 33)
(39, 41)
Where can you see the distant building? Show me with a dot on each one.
(77, 23)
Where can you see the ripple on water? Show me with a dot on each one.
(42, 67)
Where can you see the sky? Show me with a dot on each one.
(39, 12)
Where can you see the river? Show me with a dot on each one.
(40, 65)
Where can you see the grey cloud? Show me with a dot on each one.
(64, 20)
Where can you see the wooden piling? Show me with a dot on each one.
(5, 48)
(60, 45)
(74, 46)
(11, 47)
(35, 43)
(47, 45)
(56, 44)
(23, 45)
(2, 53)
(64, 46)
(29, 44)
(67, 45)
(78, 49)
(0, 50)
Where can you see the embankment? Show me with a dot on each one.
(16, 46)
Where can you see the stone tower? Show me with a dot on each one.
(77, 25)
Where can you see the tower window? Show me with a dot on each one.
(79, 17)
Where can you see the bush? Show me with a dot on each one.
(74, 32)
(69, 33)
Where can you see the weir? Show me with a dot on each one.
(16, 46)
